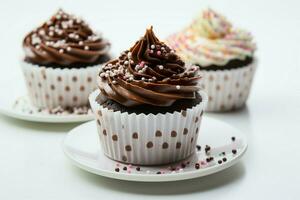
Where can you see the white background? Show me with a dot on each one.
(32, 165)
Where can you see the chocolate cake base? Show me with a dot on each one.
(232, 64)
(101, 60)
(179, 105)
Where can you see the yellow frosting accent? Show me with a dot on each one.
(211, 39)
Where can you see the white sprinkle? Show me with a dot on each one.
(51, 28)
(61, 51)
(180, 169)
(58, 16)
(172, 51)
(126, 62)
(37, 46)
(76, 36)
(178, 87)
(41, 32)
(129, 54)
(69, 48)
(49, 22)
(114, 82)
(143, 78)
(148, 172)
(51, 33)
(160, 67)
(102, 74)
(80, 43)
(152, 46)
(86, 48)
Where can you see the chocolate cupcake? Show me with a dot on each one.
(224, 54)
(62, 57)
(148, 106)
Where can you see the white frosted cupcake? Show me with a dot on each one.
(62, 57)
(148, 106)
(224, 54)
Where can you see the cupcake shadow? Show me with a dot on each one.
(203, 184)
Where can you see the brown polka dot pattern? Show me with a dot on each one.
(135, 135)
(74, 78)
(40, 85)
(98, 121)
(67, 88)
(75, 98)
(60, 98)
(47, 96)
(183, 113)
(149, 145)
(59, 79)
(225, 87)
(82, 88)
(197, 130)
(192, 139)
(173, 134)
(99, 113)
(124, 158)
(89, 79)
(52, 87)
(104, 132)
(158, 134)
(196, 119)
(128, 148)
(178, 145)
(185, 131)
(165, 145)
(114, 137)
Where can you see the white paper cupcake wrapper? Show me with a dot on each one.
(148, 139)
(228, 89)
(51, 87)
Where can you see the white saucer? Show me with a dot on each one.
(82, 147)
(24, 111)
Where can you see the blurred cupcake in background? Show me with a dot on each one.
(149, 105)
(225, 56)
(62, 57)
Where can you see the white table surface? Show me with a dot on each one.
(32, 164)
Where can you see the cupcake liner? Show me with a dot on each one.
(148, 139)
(228, 89)
(52, 87)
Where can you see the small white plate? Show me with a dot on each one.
(82, 147)
(24, 110)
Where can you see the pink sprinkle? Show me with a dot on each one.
(129, 171)
(129, 166)
(203, 163)
(158, 53)
(118, 164)
(142, 64)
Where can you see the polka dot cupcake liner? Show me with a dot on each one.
(227, 89)
(148, 139)
(51, 87)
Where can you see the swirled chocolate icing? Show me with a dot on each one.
(65, 41)
(150, 73)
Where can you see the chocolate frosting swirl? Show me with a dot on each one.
(64, 40)
(149, 73)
